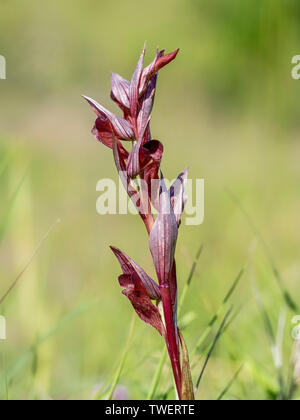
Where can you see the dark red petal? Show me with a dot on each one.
(102, 131)
(163, 237)
(120, 90)
(103, 136)
(147, 135)
(103, 123)
(106, 138)
(134, 86)
(120, 127)
(142, 154)
(152, 150)
(135, 292)
(129, 267)
(178, 194)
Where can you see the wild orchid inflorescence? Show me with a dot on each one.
(155, 304)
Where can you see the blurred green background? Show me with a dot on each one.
(227, 107)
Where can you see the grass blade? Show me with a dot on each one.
(189, 280)
(216, 316)
(264, 314)
(47, 336)
(285, 293)
(5, 220)
(157, 375)
(13, 285)
(294, 374)
(4, 163)
(276, 342)
(229, 385)
(213, 347)
(278, 356)
(119, 370)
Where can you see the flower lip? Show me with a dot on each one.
(154, 148)
(129, 267)
(140, 289)
(135, 291)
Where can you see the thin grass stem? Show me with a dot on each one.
(158, 373)
(122, 361)
(229, 385)
(213, 347)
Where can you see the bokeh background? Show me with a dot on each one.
(227, 107)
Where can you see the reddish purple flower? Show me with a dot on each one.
(135, 98)
(140, 289)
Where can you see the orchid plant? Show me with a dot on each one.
(139, 170)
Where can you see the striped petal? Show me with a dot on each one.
(119, 126)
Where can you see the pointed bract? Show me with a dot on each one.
(162, 241)
(163, 237)
(187, 383)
